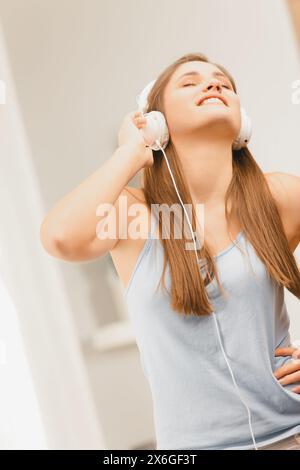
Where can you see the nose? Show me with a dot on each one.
(213, 83)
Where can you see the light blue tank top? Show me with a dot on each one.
(195, 403)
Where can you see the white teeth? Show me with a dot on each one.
(212, 100)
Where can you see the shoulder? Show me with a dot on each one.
(285, 189)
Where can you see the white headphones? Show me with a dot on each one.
(156, 136)
(157, 128)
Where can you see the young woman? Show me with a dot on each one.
(214, 341)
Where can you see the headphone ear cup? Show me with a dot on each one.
(155, 129)
(245, 132)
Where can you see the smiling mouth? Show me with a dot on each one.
(213, 100)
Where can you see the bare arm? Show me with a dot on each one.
(69, 229)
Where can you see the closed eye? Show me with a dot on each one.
(225, 86)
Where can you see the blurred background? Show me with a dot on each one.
(70, 375)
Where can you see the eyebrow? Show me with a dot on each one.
(195, 72)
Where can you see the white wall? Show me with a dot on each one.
(37, 327)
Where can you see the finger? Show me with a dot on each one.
(296, 389)
(136, 113)
(296, 354)
(288, 351)
(291, 378)
(138, 116)
(286, 369)
(140, 126)
(139, 120)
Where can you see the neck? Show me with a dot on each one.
(207, 166)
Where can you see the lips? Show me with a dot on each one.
(212, 96)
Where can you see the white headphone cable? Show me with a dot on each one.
(235, 384)
(214, 316)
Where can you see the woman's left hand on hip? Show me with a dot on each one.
(289, 373)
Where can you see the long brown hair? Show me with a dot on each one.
(251, 203)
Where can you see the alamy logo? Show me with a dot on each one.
(107, 226)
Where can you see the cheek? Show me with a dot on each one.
(174, 108)
(236, 114)
(176, 113)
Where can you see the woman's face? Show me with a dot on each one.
(182, 94)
